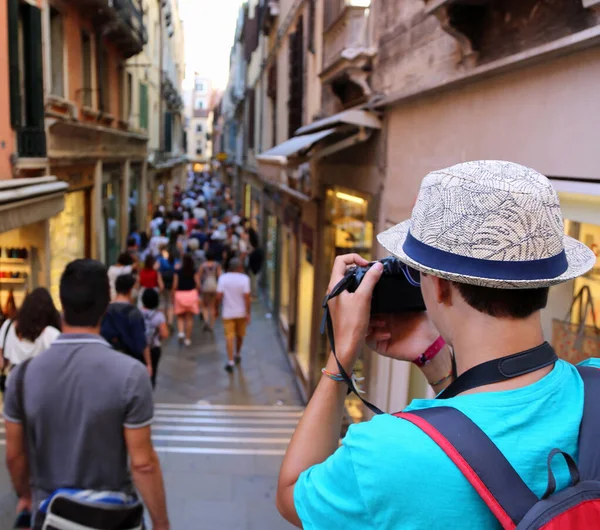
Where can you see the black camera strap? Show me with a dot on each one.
(494, 371)
(328, 323)
(503, 369)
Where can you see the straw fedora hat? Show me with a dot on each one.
(489, 223)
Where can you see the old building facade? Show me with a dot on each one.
(82, 77)
(349, 104)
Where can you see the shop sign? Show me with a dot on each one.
(221, 157)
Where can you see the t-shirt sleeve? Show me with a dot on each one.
(220, 285)
(12, 410)
(49, 335)
(139, 407)
(328, 495)
(3, 331)
(247, 285)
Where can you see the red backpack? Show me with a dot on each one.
(499, 485)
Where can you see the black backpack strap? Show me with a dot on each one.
(589, 432)
(479, 460)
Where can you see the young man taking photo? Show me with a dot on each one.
(233, 293)
(488, 240)
(84, 411)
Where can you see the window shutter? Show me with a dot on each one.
(16, 119)
(34, 73)
(168, 132)
(143, 106)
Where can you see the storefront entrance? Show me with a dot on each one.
(111, 213)
(67, 238)
(306, 282)
(270, 276)
(349, 229)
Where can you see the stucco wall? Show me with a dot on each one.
(545, 117)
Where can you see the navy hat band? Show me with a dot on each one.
(434, 258)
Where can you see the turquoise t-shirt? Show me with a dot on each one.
(388, 474)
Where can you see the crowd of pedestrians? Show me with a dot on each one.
(83, 380)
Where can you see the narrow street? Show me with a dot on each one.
(220, 437)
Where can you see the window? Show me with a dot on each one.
(251, 98)
(199, 150)
(311, 26)
(199, 128)
(296, 79)
(199, 86)
(86, 65)
(102, 68)
(168, 132)
(56, 53)
(128, 95)
(143, 106)
(26, 78)
(199, 104)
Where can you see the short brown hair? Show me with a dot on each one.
(504, 303)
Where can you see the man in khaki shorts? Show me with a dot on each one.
(233, 292)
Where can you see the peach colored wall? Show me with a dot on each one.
(73, 24)
(7, 140)
(545, 116)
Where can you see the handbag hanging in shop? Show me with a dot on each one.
(576, 342)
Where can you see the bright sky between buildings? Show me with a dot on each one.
(209, 27)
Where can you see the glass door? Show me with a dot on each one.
(111, 208)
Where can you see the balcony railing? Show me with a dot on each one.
(122, 21)
(347, 36)
(31, 142)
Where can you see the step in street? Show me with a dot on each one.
(221, 429)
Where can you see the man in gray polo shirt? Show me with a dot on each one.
(87, 408)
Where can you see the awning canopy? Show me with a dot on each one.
(29, 200)
(355, 117)
(294, 146)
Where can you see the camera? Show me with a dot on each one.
(397, 291)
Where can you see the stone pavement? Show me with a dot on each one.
(220, 437)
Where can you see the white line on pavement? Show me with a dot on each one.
(232, 414)
(220, 451)
(226, 421)
(220, 439)
(239, 430)
(282, 408)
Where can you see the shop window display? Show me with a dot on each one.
(590, 235)
(67, 239)
(349, 230)
(111, 217)
(271, 261)
(305, 306)
(284, 293)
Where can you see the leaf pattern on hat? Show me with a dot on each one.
(492, 210)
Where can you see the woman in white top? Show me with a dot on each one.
(124, 265)
(35, 328)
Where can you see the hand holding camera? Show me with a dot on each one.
(350, 310)
(401, 336)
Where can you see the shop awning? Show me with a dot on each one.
(354, 117)
(294, 146)
(29, 200)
